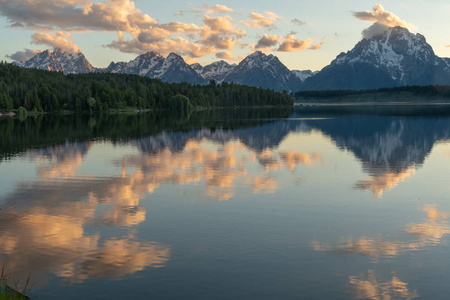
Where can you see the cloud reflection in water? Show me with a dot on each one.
(420, 235)
(53, 225)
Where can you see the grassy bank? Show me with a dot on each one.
(9, 293)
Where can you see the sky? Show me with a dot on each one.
(303, 34)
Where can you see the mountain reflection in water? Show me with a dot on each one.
(87, 201)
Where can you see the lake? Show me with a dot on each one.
(320, 202)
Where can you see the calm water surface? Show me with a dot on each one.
(322, 203)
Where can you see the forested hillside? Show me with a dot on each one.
(52, 91)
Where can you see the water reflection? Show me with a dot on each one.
(79, 222)
(390, 149)
(222, 168)
(385, 182)
(41, 241)
(371, 287)
(59, 162)
(219, 168)
(45, 224)
(416, 236)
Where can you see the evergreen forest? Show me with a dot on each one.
(45, 91)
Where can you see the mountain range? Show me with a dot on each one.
(395, 57)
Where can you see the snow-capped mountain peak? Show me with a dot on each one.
(391, 50)
(141, 65)
(393, 58)
(60, 61)
(216, 71)
(154, 65)
(261, 70)
(260, 59)
(174, 69)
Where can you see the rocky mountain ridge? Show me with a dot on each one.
(396, 57)
(258, 69)
(261, 70)
(59, 61)
(216, 71)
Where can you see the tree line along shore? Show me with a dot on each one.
(46, 91)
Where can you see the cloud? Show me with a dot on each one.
(72, 15)
(292, 44)
(220, 43)
(137, 31)
(225, 55)
(221, 24)
(123, 17)
(219, 33)
(153, 35)
(178, 27)
(216, 9)
(383, 17)
(258, 20)
(268, 41)
(179, 45)
(374, 30)
(21, 56)
(113, 15)
(229, 56)
(57, 40)
(217, 41)
(199, 11)
(298, 22)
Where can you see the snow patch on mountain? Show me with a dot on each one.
(395, 57)
(154, 65)
(304, 74)
(261, 70)
(59, 61)
(216, 71)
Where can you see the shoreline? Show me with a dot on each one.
(140, 111)
(369, 103)
(372, 98)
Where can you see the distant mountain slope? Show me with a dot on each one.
(141, 65)
(59, 61)
(171, 69)
(261, 70)
(303, 74)
(393, 58)
(216, 71)
(174, 69)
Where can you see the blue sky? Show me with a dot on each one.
(303, 34)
